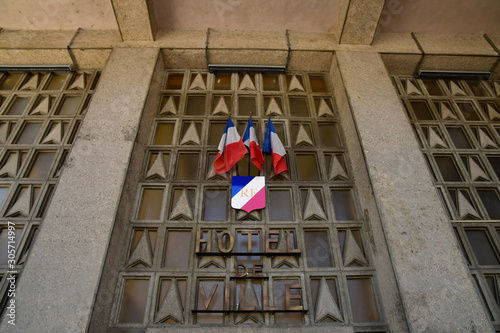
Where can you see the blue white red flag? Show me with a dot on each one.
(272, 145)
(250, 140)
(231, 149)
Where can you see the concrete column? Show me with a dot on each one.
(57, 287)
(136, 19)
(358, 21)
(435, 285)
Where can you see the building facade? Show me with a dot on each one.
(112, 218)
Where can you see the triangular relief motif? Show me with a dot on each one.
(280, 261)
(242, 215)
(11, 166)
(79, 83)
(295, 84)
(465, 208)
(337, 171)
(493, 114)
(182, 208)
(476, 172)
(198, 83)
(207, 261)
(191, 136)
(303, 138)
(246, 83)
(248, 301)
(142, 253)
(281, 176)
(273, 109)
(446, 113)
(326, 306)
(169, 107)
(157, 169)
(411, 89)
(352, 251)
(312, 208)
(456, 90)
(22, 206)
(497, 88)
(43, 107)
(324, 109)
(171, 306)
(55, 135)
(485, 141)
(221, 108)
(32, 83)
(435, 140)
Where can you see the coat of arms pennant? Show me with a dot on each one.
(248, 193)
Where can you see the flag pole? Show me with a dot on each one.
(237, 170)
(249, 153)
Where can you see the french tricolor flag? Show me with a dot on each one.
(250, 140)
(272, 145)
(231, 149)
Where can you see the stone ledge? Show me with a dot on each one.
(41, 56)
(455, 45)
(91, 58)
(35, 39)
(464, 45)
(458, 63)
(96, 39)
(309, 51)
(247, 40)
(401, 64)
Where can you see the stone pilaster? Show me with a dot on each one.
(435, 285)
(57, 288)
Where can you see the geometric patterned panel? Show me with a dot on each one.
(458, 126)
(312, 208)
(40, 115)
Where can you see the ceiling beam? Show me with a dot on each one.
(358, 21)
(136, 19)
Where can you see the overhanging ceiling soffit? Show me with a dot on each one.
(402, 53)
